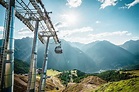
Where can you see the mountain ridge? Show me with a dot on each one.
(107, 55)
(92, 57)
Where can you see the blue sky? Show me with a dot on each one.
(86, 21)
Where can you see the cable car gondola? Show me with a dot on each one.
(58, 49)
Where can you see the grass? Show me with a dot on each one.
(51, 72)
(130, 85)
(134, 72)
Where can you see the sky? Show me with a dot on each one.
(87, 21)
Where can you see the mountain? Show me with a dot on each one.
(77, 45)
(20, 67)
(109, 56)
(99, 55)
(71, 58)
(132, 46)
(23, 48)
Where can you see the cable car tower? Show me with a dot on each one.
(35, 19)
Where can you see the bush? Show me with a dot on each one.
(113, 75)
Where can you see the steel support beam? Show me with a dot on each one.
(8, 54)
(42, 84)
(46, 19)
(18, 15)
(33, 64)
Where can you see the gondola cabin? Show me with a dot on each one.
(58, 49)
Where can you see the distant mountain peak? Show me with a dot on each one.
(132, 46)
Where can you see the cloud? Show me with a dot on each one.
(106, 3)
(75, 32)
(1, 28)
(132, 4)
(117, 37)
(69, 19)
(123, 7)
(106, 34)
(23, 32)
(74, 3)
(87, 34)
(59, 24)
(1, 32)
(63, 24)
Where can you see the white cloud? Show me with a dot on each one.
(106, 34)
(132, 4)
(74, 3)
(106, 3)
(83, 29)
(69, 19)
(135, 38)
(117, 37)
(1, 31)
(77, 32)
(87, 35)
(22, 33)
(60, 25)
(123, 7)
(1, 28)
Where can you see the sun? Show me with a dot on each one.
(70, 18)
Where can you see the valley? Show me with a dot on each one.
(90, 68)
(89, 83)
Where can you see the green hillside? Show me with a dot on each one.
(51, 72)
(134, 72)
(20, 67)
(72, 76)
(130, 85)
(115, 75)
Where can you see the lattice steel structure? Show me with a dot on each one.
(34, 15)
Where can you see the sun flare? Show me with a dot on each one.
(69, 18)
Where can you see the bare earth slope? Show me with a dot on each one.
(53, 84)
(86, 85)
